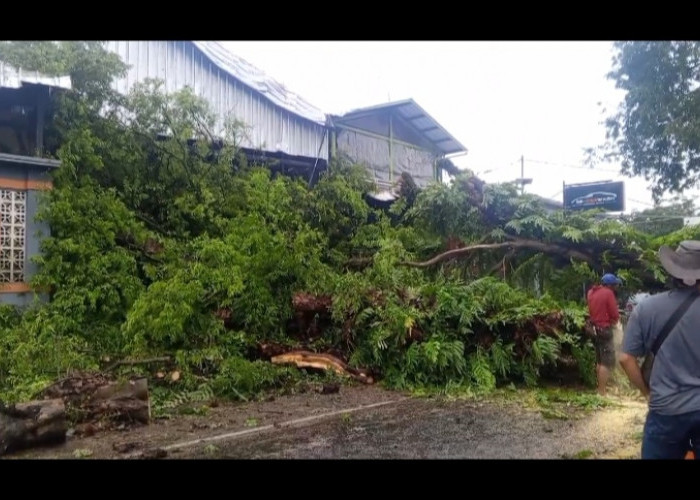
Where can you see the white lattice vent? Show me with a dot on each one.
(13, 209)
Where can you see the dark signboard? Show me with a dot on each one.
(606, 195)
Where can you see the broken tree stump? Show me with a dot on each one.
(30, 424)
(94, 396)
(320, 361)
(126, 400)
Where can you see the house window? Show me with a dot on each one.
(13, 208)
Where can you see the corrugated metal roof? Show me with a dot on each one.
(421, 121)
(255, 78)
(14, 78)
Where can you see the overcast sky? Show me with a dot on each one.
(541, 101)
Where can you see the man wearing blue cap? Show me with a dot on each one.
(604, 313)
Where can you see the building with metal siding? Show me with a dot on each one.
(389, 139)
(277, 120)
(395, 138)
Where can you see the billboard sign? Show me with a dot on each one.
(606, 195)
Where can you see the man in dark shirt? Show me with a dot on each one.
(604, 314)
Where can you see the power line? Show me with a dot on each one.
(496, 169)
(582, 167)
(642, 202)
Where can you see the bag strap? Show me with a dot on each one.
(675, 317)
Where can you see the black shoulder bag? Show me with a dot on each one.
(670, 324)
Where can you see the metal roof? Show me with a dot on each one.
(15, 77)
(419, 119)
(255, 78)
(33, 161)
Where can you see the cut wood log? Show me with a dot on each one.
(320, 361)
(30, 424)
(93, 396)
(75, 386)
(126, 400)
(129, 409)
(127, 389)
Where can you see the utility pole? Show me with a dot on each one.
(522, 180)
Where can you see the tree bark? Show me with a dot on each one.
(93, 396)
(320, 361)
(516, 243)
(30, 424)
(121, 401)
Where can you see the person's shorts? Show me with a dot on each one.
(605, 352)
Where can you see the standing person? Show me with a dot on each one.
(604, 313)
(672, 424)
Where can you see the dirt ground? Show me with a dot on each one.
(368, 422)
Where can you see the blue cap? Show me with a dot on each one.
(610, 279)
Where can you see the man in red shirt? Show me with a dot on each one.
(604, 314)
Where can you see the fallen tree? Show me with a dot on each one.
(202, 261)
(512, 244)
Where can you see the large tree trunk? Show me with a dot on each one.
(35, 423)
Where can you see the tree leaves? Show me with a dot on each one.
(656, 133)
(165, 240)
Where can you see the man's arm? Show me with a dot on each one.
(634, 373)
(632, 348)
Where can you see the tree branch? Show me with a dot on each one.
(516, 243)
(123, 362)
(501, 264)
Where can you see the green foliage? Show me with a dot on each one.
(481, 372)
(163, 401)
(502, 358)
(88, 263)
(34, 351)
(429, 363)
(90, 66)
(655, 132)
(166, 241)
(584, 354)
(240, 378)
(553, 397)
(447, 210)
(338, 209)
